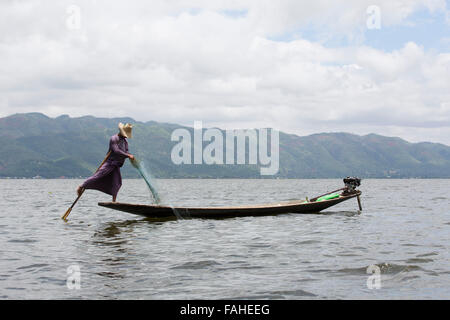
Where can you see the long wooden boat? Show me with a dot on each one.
(300, 206)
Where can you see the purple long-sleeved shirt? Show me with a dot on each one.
(108, 179)
(118, 146)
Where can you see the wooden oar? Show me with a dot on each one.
(64, 217)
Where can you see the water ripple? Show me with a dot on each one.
(326, 256)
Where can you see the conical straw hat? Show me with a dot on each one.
(125, 130)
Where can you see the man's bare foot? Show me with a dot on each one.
(79, 190)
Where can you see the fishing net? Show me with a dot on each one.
(145, 174)
(147, 178)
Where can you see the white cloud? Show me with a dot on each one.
(180, 61)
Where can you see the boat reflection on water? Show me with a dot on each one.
(113, 239)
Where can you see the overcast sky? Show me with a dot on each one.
(297, 66)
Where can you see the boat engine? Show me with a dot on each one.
(351, 183)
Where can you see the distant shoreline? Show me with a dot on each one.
(64, 147)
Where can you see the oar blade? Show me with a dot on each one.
(64, 217)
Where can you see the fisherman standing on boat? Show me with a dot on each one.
(108, 178)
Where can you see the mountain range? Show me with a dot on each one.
(35, 145)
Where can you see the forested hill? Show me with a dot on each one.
(36, 145)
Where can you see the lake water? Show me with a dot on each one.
(402, 232)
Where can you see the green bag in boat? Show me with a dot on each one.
(328, 197)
